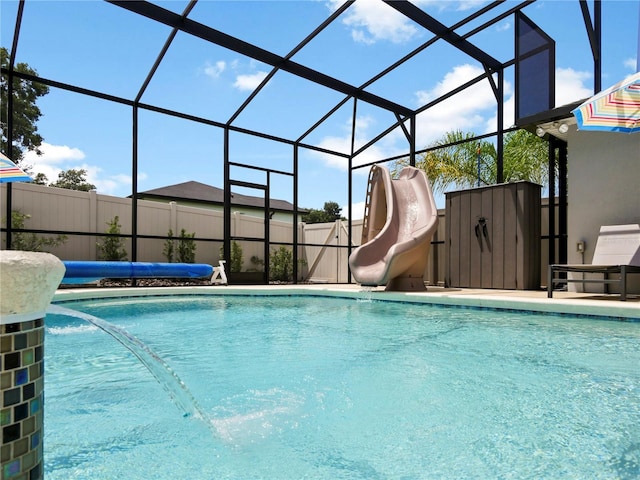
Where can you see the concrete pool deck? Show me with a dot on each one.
(572, 303)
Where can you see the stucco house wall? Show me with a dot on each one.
(603, 189)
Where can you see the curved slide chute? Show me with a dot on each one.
(400, 221)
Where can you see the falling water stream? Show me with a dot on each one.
(367, 295)
(163, 373)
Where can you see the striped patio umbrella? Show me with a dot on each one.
(10, 172)
(616, 109)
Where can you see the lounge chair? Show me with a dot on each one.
(617, 251)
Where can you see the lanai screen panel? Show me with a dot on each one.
(535, 69)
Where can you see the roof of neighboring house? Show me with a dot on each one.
(200, 192)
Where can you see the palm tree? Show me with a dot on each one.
(526, 157)
(459, 161)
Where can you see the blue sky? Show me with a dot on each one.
(102, 47)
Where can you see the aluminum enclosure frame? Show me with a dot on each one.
(405, 115)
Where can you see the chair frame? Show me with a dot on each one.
(623, 270)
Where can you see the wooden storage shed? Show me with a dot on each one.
(493, 237)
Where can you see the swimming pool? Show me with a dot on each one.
(335, 388)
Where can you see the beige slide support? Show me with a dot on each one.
(400, 219)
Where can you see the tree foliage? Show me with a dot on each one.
(458, 161)
(72, 179)
(40, 179)
(330, 213)
(528, 158)
(26, 113)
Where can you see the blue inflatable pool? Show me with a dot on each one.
(86, 272)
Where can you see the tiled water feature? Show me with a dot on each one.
(28, 281)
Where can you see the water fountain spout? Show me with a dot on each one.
(162, 372)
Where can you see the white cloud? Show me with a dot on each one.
(343, 145)
(631, 64)
(385, 148)
(374, 153)
(469, 4)
(473, 109)
(508, 118)
(357, 210)
(249, 81)
(216, 69)
(58, 158)
(477, 95)
(336, 144)
(503, 27)
(243, 81)
(372, 20)
(53, 154)
(52, 159)
(466, 111)
(119, 184)
(570, 85)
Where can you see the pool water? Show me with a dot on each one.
(331, 388)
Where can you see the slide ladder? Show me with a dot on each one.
(367, 206)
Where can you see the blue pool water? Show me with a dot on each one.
(329, 388)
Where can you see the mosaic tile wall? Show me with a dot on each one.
(22, 384)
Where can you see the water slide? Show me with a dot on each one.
(400, 219)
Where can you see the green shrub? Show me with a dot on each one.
(186, 247)
(281, 264)
(30, 242)
(258, 264)
(169, 248)
(112, 247)
(235, 264)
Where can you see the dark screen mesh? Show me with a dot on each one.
(534, 69)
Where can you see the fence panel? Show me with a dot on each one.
(108, 208)
(205, 223)
(325, 255)
(155, 218)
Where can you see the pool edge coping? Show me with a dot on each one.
(573, 306)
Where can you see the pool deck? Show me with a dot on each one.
(572, 303)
